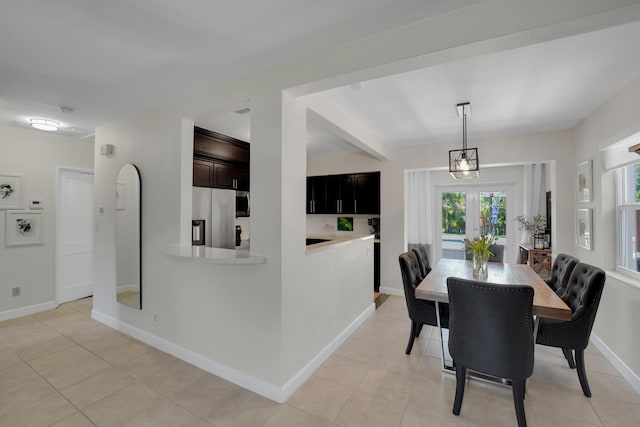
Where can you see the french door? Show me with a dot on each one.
(470, 211)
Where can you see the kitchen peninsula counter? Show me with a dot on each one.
(334, 240)
(214, 255)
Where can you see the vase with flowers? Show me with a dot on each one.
(480, 253)
(535, 225)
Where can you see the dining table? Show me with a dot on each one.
(546, 303)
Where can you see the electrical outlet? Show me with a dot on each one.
(15, 292)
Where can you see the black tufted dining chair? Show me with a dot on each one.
(584, 290)
(423, 259)
(561, 272)
(491, 332)
(420, 312)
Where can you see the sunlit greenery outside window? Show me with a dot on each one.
(629, 219)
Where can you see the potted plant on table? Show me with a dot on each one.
(479, 250)
(535, 225)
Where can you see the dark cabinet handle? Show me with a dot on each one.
(355, 206)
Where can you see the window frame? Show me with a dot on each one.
(623, 175)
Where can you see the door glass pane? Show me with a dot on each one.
(454, 224)
(493, 214)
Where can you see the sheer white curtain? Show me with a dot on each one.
(532, 193)
(418, 206)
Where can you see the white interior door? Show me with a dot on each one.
(470, 211)
(74, 235)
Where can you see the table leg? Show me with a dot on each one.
(445, 357)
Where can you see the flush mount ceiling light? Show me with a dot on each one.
(45, 124)
(464, 163)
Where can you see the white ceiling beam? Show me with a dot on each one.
(335, 119)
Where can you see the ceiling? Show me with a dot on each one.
(107, 60)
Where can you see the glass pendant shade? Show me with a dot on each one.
(464, 163)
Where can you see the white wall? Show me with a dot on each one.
(35, 155)
(618, 316)
(222, 312)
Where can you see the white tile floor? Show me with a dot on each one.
(62, 368)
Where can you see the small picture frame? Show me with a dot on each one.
(10, 191)
(345, 223)
(23, 228)
(121, 190)
(584, 182)
(584, 232)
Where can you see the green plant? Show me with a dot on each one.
(537, 223)
(479, 246)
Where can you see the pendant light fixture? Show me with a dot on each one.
(464, 163)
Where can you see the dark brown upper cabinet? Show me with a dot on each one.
(220, 161)
(344, 194)
(202, 173)
(366, 187)
(316, 194)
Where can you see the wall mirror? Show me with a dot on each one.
(128, 237)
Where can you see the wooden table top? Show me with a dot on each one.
(545, 301)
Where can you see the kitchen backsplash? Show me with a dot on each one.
(327, 224)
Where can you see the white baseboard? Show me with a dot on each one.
(632, 378)
(303, 374)
(263, 388)
(392, 291)
(25, 311)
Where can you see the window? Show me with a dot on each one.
(629, 219)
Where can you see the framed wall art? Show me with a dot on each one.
(584, 232)
(584, 182)
(10, 191)
(23, 228)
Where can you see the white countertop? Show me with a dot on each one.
(214, 255)
(334, 240)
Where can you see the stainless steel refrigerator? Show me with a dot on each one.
(218, 210)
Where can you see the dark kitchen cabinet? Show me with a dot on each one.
(340, 196)
(230, 176)
(366, 188)
(344, 194)
(220, 161)
(202, 173)
(218, 146)
(316, 194)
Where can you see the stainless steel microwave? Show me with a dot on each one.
(243, 204)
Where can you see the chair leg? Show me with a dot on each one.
(569, 356)
(582, 373)
(518, 387)
(419, 329)
(414, 329)
(461, 374)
